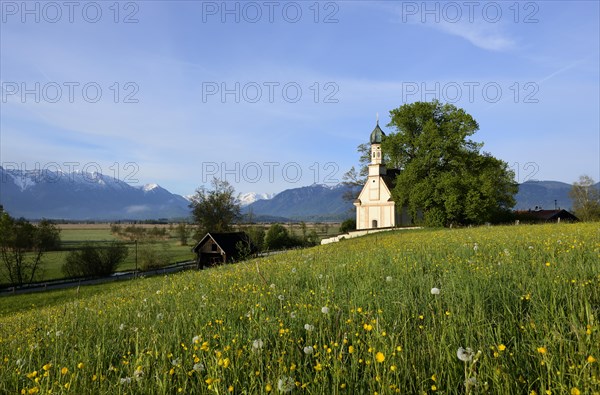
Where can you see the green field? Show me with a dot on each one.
(74, 235)
(386, 313)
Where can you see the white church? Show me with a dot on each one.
(374, 205)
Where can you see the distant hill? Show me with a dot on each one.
(312, 203)
(543, 194)
(36, 194)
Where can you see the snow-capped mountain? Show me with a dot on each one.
(251, 197)
(35, 194)
(316, 202)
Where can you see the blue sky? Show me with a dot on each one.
(276, 95)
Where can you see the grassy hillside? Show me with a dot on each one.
(381, 314)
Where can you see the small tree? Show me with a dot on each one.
(94, 261)
(277, 237)
(23, 245)
(215, 210)
(586, 199)
(183, 232)
(257, 235)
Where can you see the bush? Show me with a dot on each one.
(152, 258)
(94, 261)
(348, 225)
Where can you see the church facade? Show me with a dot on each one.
(375, 207)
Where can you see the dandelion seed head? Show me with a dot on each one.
(309, 327)
(308, 350)
(257, 344)
(389, 279)
(435, 291)
(325, 310)
(286, 384)
(465, 355)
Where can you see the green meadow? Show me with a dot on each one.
(489, 310)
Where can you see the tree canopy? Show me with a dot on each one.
(444, 178)
(586, 199)
(215, 210)
(22, 246)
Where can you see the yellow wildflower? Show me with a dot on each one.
(542, 350)
(379, 357)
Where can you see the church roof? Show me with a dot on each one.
(377, 135)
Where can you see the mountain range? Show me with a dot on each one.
(36, 194)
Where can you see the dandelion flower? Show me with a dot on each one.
(325, 310)
(501, 347)
(308, 350)
(379, 357)
(591, 359)
(465, 355)
(435, 291)
(542, 350)
(286, 384)
(309, 327)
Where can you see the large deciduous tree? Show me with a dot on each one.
(22, 247)
(215, 210)
(443, 175)
(586, 199)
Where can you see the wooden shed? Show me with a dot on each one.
(218, 248)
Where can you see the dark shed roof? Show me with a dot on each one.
(546, 215)
(226, 241)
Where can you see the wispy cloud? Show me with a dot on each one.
(483, 35)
